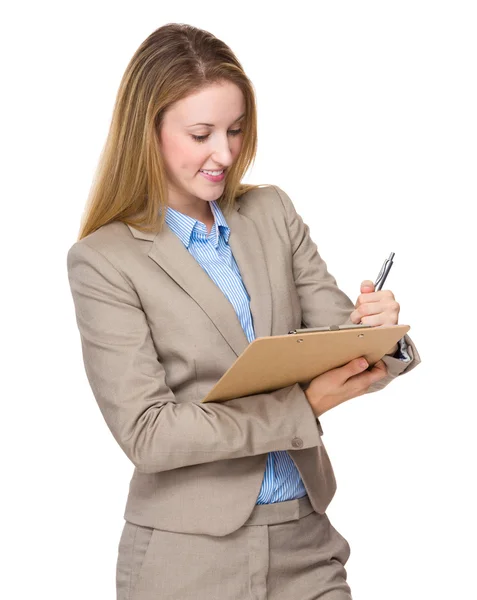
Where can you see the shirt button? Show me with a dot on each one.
(297, 442)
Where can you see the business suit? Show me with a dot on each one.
(157, 334)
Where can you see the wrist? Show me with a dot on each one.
(316, 404)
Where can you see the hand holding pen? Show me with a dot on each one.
(374, 305)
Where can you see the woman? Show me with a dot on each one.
(177, 268)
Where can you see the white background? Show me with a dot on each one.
(367, 119)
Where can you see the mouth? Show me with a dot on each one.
(214, 176)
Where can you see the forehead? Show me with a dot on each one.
(218, 103)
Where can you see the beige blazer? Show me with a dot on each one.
(157, 333)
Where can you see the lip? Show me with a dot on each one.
(212, 178)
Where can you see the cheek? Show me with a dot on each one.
(237, 147)
(190, 164)
(179, 154)
(187, 157)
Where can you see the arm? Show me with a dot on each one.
(129, 383)
(322, 302)
(400, 350)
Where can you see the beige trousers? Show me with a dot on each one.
(285, 551)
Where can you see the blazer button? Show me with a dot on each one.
(297, 442)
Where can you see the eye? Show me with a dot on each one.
(202, 138)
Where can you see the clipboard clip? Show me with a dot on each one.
(330, 328)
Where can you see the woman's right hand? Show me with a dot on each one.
(338, 385)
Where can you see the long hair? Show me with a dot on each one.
(129, 185)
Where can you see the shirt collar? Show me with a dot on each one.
(186, 227)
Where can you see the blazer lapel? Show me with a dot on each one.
(171, 255)
(248, 252)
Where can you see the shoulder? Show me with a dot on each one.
(265, 199)
(108, 242)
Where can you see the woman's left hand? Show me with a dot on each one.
(376, 308)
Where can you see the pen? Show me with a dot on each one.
(388, 263)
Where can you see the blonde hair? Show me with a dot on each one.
(130, 182)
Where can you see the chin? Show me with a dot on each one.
(211, 194)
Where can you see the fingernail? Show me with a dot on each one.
(363, 363)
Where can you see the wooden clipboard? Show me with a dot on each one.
(273, 362)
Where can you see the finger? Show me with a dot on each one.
(385, 296)
(382, 319)
(379, 370)
(358, 365)
(359, 383)
(373, 320)
(370, 308)
(373, 308)
(367, 286)
(365, 310)
(374, 376)
(380, 365)
(369, 297)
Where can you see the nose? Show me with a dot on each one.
(222, 154)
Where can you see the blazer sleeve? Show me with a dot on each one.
(322, 301)
(156, 432)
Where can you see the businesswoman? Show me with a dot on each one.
(178, 267)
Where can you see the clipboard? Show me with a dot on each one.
(273, 362)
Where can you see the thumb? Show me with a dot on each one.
(367, 286)
(358, 365)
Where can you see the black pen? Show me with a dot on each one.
(388, 263)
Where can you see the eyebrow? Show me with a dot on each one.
(211, 125)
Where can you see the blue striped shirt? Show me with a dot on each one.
(281, 479)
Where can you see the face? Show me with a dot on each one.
(201, 131)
